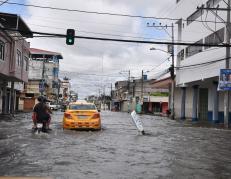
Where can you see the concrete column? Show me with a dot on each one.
(183, 97)
(4, 97)
(195, 103)
(169, 97)
(215, 101)
(12, 98)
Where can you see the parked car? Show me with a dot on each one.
(81, 115)
(54, 106)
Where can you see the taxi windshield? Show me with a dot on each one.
(82, 107)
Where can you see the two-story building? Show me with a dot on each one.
(128, 95)
(198, 67)
(14, 56)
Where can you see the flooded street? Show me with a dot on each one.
(169, 150)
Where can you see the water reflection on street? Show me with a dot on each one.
(169, 150)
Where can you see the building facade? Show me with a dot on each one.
(14, 56)
(139, 95)
(198, 67)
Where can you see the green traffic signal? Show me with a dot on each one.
(70, 37)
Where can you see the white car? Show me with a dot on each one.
(54, 106)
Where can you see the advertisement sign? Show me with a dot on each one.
(224, 80)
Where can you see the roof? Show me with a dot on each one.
(39, 53)
(163, 83)
(15, 22)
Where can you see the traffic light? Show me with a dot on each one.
(70, 37)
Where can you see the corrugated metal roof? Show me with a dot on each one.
(39, 53)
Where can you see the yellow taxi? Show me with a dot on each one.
(81, 115)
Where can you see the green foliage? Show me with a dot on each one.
(165, 94)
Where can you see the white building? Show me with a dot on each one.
(198, 67)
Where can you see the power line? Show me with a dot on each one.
(3, 2)
(97, 33)
(210, 29)
(88, 12)
(160, 64)
(123, 40)
(99, 13)
(45, 18)
(200, 64)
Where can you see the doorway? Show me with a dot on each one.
(203, 104)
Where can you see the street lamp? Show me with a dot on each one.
(153, 48)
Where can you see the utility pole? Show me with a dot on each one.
(43, 72)
(111, 98)
(142, 85)
(128, 83)
(227, 66)
(173, 78)
(100, 99)
(111, 90)
(104, 97)
(129, 73)
(172, 67)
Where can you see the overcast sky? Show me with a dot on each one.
(91, 65)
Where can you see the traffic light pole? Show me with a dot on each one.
(172, 77)
(227, 66)
(142, 85)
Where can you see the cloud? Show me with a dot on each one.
(99, 57)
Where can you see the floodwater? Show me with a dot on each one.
(169, 150)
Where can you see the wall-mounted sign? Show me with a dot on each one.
(224, 80)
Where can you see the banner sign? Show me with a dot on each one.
(224, 80)
(137, 121)
(41, 87)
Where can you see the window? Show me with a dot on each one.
(82, 107)
(2, 49)
(194, 16)
(215, 38)
(180, 55)
(192, 50)
(19, 58)
(25, 64)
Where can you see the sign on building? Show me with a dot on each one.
(224, 80)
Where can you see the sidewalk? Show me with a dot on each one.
(206, 124)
